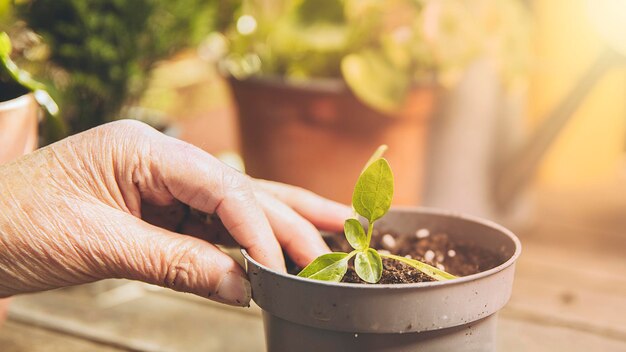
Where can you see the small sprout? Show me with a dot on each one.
(371, 199)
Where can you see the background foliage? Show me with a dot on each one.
(97, 54)
(380, 48)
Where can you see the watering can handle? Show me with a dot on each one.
(515, 172)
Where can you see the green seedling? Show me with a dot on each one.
(371, 199)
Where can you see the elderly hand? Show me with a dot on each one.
(112, 203)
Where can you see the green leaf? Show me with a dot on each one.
(355, 234)
(368, 265)
(373, 191)
(327, 267)
(429, 270)
(375, 81)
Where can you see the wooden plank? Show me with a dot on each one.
(16, 337)
(552, 284)
(571, 272)
(194, 324)
(523, 336)
(589, 219)
(152, 322)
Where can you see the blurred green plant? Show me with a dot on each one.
(15, 82)
(380, 48)
(98, 53)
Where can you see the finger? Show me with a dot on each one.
(201, 181)
(297, 236)
(323, 213)
(182, 263)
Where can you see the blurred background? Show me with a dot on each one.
(511, 110)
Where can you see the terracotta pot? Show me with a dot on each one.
(18, 136)
(458, 315)
(318, 135)
(18, 127)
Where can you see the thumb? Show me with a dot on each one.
(182, 263)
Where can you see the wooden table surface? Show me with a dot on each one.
(569, 295)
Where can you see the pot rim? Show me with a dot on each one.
(423, 210)
(15, 103)
(329, 85)
(319, 84)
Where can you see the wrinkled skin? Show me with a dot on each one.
(112, 203)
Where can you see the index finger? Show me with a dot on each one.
(324, 213)
(201, 181)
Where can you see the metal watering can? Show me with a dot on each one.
(480, 161)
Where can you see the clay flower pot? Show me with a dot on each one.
(457, 315)
(18, 127)
(290, 132)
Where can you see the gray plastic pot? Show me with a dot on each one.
(457, 315)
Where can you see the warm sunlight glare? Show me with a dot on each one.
(608, 18)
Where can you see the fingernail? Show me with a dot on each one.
(235, 290)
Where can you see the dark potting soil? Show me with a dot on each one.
(394, 272)
(437, 249)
